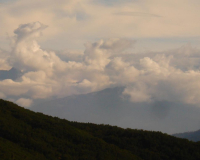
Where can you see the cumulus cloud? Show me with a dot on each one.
(162, 80)
(70, 55)
(4, 65)
(171, 75)
(121, 72)
(28, 31)
(98, 54)
(2, 95)
(138, 93)
(24, 102)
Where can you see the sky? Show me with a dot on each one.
(70, 47)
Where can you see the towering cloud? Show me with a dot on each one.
(165, 76)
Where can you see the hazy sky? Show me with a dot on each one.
(68, 47)
(156, 25)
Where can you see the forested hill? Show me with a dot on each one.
(33, 136)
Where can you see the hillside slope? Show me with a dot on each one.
(28, 135)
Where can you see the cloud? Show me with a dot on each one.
(161, 80)
(117, 44)
(138, 93)
(65, 18)
(27, 54)
(29, 30)
(24, 102)
(4, 65)
(70, 55)
(112, 2)
(98, 54)
(2, 95)
(120, 72)
(140, 14)
(171, 75)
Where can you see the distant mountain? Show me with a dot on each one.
(110, 106)
(192, 136)
(101, 105)
(34, 136)
(13, 74)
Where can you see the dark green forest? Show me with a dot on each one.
(26, 135)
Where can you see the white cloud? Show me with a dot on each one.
(24, 102)
(163, 80)
(70, 55)
(120, 72)
(138, 93)
(171, 75)
(2, 95)
(4, 65)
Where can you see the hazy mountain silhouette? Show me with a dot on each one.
(192, 136)
(85, 107)
(109, 106)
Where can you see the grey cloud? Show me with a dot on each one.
(70, 55)
(117, 44)
(112, 2)
(137, 14)
(27, 30)
(13, 74)
(7, 1)
(79, 15)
